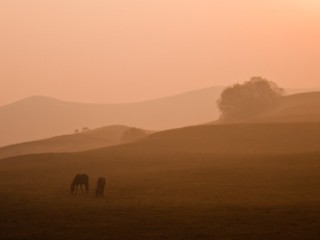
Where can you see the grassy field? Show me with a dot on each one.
(164, 196)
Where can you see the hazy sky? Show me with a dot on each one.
(130, 50)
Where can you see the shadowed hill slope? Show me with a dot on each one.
(303, 107)
(269, 138)
(228, 139)
(97, 138)
(41, 117)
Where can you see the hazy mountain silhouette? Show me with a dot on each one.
(42, 117)
(97, 138)
(304, 107)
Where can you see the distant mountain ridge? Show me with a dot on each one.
(42, 117)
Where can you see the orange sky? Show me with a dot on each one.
(130, 50)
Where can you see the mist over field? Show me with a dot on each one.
(159, 120)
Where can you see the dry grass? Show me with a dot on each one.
(162, 197)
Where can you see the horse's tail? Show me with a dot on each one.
(74, 183)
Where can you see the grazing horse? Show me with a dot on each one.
(80, 180)
(100, 186)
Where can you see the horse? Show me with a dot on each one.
(100, 186)
(80, 180)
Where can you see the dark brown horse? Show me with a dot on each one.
(100, 186)
(79, 181)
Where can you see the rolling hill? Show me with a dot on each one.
(42, 117)
(293, 127)
(218, 139)
(228, 139)
(303, 107)
(233, 181)
(299, 107)
(97, 138)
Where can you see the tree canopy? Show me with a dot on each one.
(249, 99)
(133, 134)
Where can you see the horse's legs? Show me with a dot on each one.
(81, 189)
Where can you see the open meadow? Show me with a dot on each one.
(164, 196)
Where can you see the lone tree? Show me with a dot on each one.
(133, 134)
(249, 99)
